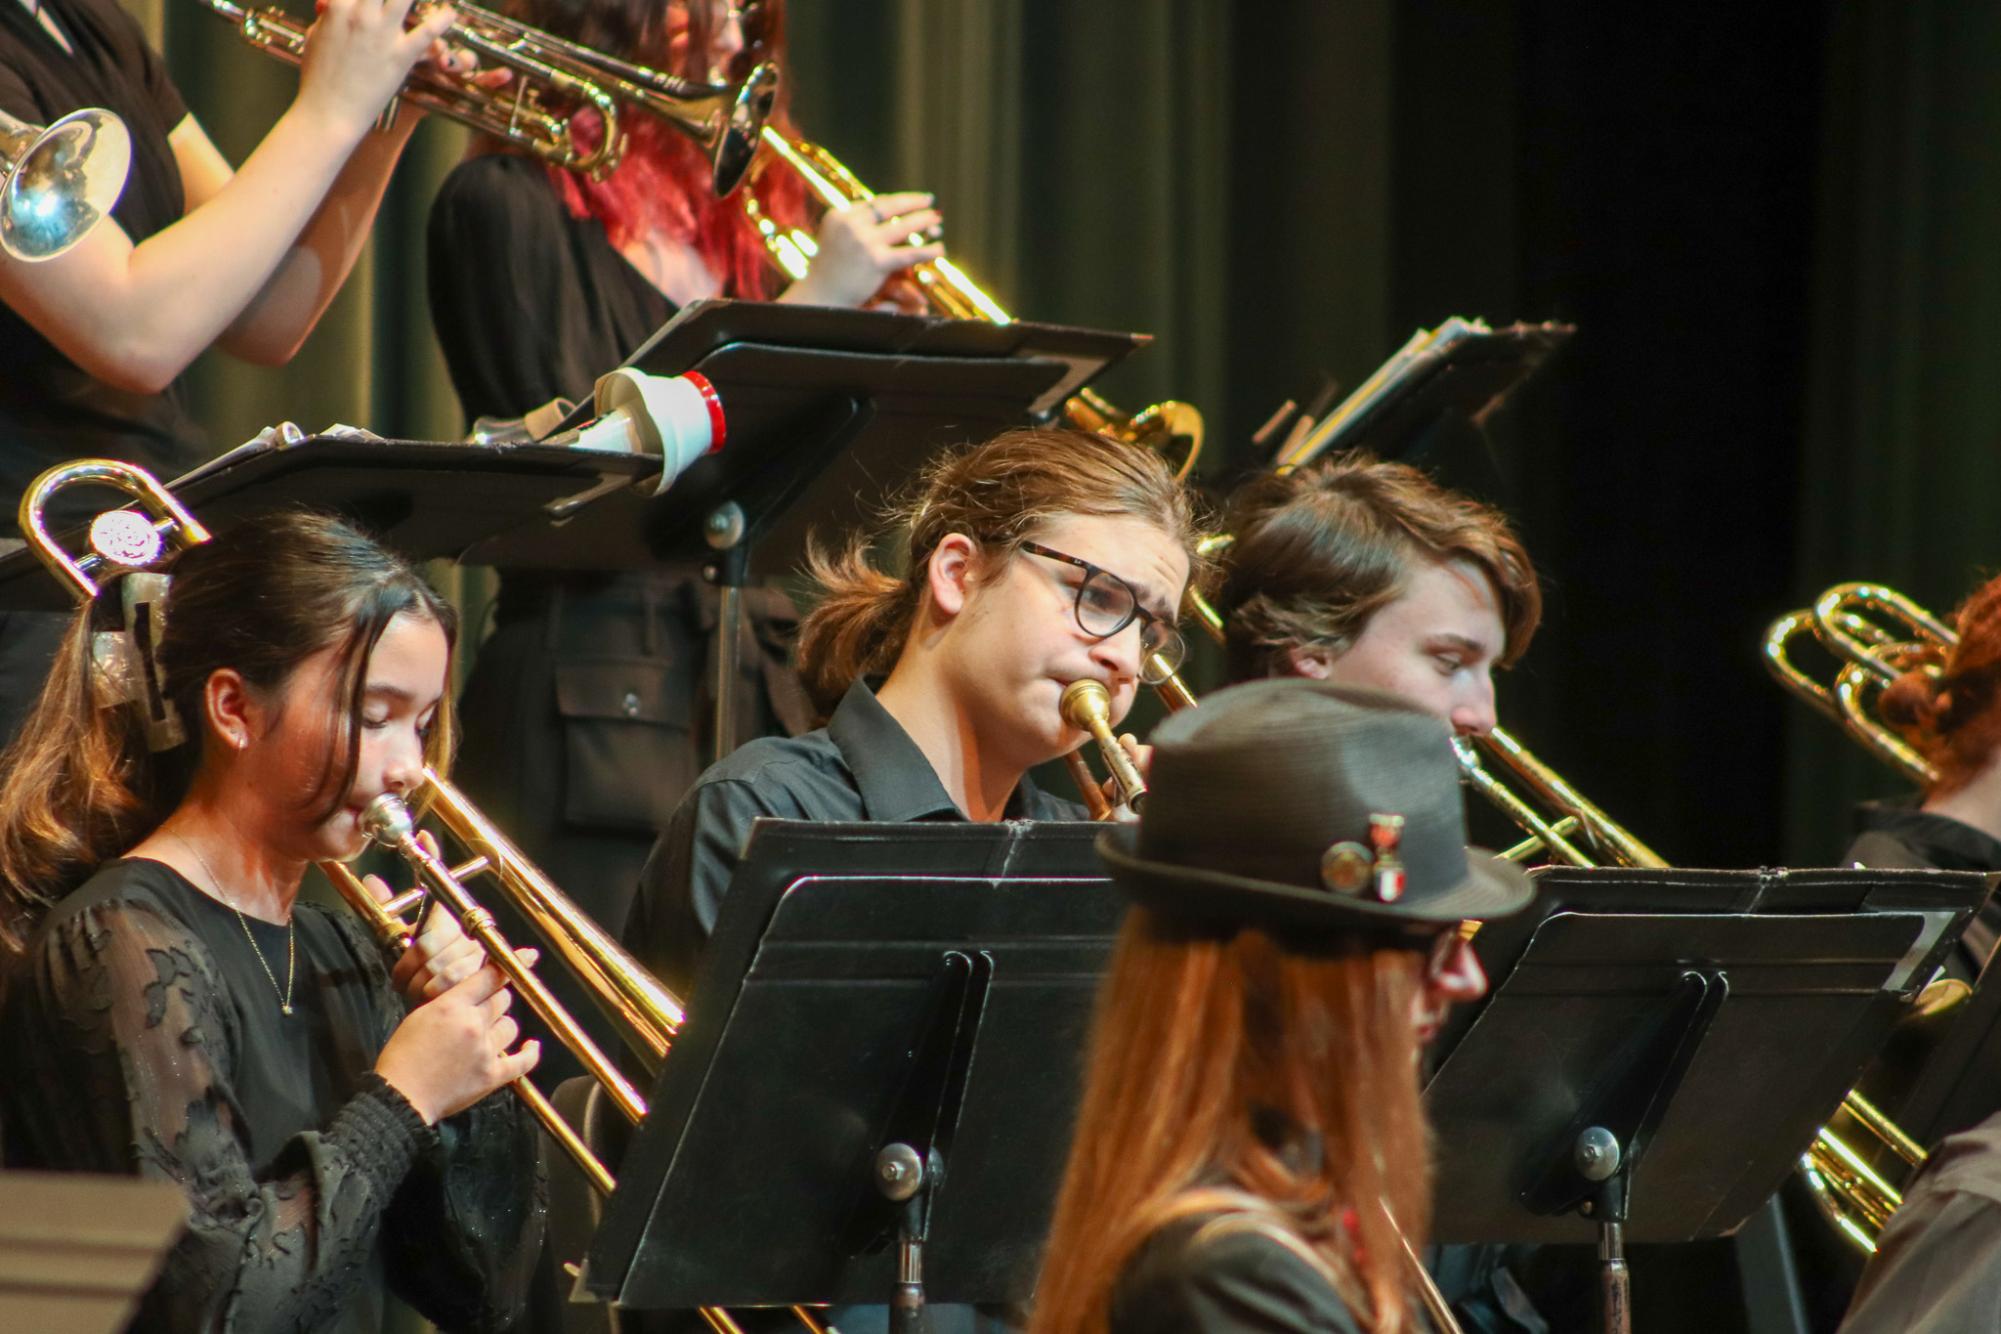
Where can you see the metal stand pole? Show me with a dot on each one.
(725, 533)
(1599, 1158)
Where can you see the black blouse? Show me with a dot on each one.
(50, 408)
(1227, 1274)
(142, 1035)
(528, 302)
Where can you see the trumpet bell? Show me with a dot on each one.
(60, 181)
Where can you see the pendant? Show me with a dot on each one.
(285, 1008)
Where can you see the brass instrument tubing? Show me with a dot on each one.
(1884, 1128)
(478, 923)
(1553, 788)
(1086, 705)
(647, 1013)
(1087, 785)
(392, 930)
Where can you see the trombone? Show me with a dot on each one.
(1874, 634)
(1560, 823)
(1172, 427)
(646, 1012)
(550, 72)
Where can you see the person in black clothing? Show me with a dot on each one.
(1036, 559)
(1949, 710)
(1249, 1152)
(96, 340)
(1369, 573)
(169, 1009)
(586, 715)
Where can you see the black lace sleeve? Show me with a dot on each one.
(121, 1009)
(462, 1231)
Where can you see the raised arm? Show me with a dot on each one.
(259, 253)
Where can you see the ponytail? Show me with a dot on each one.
(998, 494)
(80, 784)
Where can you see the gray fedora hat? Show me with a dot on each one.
(1303, 806)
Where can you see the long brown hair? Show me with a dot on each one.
(1195, 1038)
(1000, 494)
(81, 786)
(1946, 707)
(1319, 551)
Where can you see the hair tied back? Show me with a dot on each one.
(125, 665)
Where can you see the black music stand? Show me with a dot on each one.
(76, 1251)
(884, 1011)
(1661, 1046)
(430, 500)
(828, 411)
(1430, 403)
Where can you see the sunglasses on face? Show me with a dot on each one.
(1107, 604)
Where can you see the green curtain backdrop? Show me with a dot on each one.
(1287, 189)
(1903, 448)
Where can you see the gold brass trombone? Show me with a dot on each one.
(1874, 634)
(1561, 824)
(647, 1014)
(121, 539)
(553, 79)
(1172, 427)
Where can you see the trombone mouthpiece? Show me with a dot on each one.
(1084, 703)
(386, 820)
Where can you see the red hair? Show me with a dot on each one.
(664, 183)
(1945, 705)
(1194, 1036)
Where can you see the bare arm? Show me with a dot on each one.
(311, 270)
(257, 254)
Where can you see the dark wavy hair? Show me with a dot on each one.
(80, 784)
(1319, 551)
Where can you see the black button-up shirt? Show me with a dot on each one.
(861, 766)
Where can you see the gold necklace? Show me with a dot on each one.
(291, 942)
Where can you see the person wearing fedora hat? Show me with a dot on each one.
(1250, 1147)
(1038, 558)
(1372, 574)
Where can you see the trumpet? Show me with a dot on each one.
(554, 80)
(60, 180)
(1172, 427)
(1874, 634)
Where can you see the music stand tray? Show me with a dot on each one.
(866, 986)
(1712, 1020)
(429, 500)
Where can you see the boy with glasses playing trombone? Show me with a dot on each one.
(1038, 559)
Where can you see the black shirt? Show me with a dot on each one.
(1230, 1273)
(1897, 834)
(142, 1035)
(50, 408)
(529, 303)
(861, 766)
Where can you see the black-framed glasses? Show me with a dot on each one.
(1107, 604)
